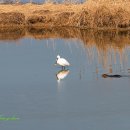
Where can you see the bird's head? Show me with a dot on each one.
(58, 56)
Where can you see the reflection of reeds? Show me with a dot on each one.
(108, 44)
(39, 33)
(105, 45)
(11, 33)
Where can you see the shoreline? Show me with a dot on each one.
(110, 36)
(89, 15)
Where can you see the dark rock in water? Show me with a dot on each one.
(111, 76)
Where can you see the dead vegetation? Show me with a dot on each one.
(12, 18)
(99, 14)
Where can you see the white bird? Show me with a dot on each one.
(62, 74)
(62, 62)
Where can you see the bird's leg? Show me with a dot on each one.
(62, 67)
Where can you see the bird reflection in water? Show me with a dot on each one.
(62, 74)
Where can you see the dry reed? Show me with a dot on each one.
(99, 14)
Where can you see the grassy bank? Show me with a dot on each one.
(99, 14)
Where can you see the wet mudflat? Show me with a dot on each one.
(43, 96)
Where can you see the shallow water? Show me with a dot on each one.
(30, 91)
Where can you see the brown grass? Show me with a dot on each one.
(100, 14)
(12, 18)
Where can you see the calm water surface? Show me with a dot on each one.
(83, 100)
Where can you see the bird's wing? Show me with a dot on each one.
(64, 61)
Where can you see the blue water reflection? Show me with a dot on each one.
(82, 99)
